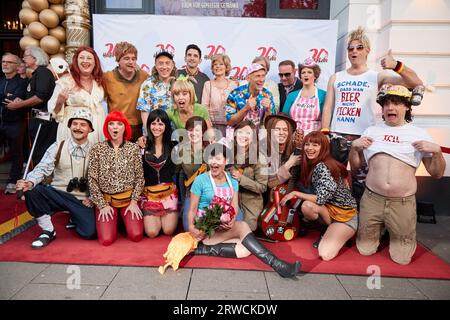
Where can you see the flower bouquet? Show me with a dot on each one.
(218, 212)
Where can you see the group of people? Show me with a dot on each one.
(236, 141)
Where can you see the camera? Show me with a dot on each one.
(80, 184)
(41, 115)
(10, 97)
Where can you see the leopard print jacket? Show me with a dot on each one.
(328, 191)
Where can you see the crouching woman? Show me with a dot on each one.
(233, 239)
(331, 203)
(116, 180)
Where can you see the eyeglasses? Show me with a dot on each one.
(287, 75)
(9, 62)
(359, 47)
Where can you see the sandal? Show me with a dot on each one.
(70, 225)
(44, 239)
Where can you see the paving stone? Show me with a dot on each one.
(305, 287)
(229, 280)
(389, 288)
(433, 289)
(15, 275)
(36, 291)
(89, 275)
(148, 284)
(226, 295)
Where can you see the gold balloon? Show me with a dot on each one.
(26, 32)
(58, 55)
(62, 48)
(37, 30)
(25, 4)
(50, 44)
(28, 15)
(56, 1)
(38, 5)
(59, 10)
(28, 41)
(49, 18)
(59, 33)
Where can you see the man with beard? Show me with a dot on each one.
(67, 162)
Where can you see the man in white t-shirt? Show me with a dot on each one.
(393, 151)
(350, 104)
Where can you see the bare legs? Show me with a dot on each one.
(335, 237)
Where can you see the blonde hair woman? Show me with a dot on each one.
(184, 106)
(215, 92)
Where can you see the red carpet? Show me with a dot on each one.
(68, 248)
(7, 205)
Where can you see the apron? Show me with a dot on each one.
(306, 112)
(224, 193)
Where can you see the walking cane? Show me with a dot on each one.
(43, 116)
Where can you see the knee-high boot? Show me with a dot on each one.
(284, 269)
(226, 250)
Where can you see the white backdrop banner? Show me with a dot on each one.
(241, 39)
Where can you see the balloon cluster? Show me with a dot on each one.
(43, 19)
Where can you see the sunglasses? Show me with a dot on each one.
(287, 75)
(359, 47)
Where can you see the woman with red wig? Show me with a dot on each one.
(331, 202)
(81, 88)
(116, 180)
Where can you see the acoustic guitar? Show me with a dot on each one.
(278, 222)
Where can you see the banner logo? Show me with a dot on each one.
(110, 48)
(238, 73)
(213, 50)
(319, 56)
(167, 47)
(268, 52)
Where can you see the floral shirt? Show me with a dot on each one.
(110, 172)
(238, 98)
(328, 191)
(154, 95)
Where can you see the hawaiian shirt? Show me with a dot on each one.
(154, 95)
(238, 98)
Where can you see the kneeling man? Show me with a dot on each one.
(393, 151)
(67, 162)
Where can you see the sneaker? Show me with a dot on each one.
(10, 188)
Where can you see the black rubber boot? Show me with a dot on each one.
(226, 250)
(284, 269)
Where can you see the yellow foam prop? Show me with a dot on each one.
(179, 247)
